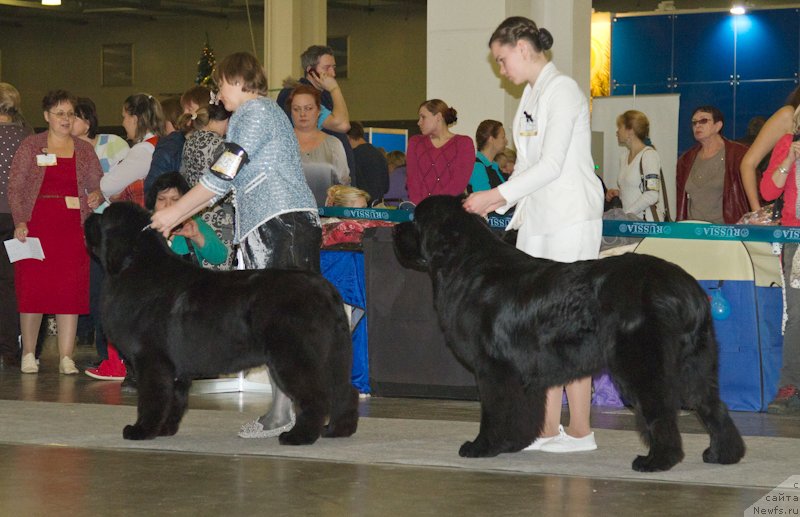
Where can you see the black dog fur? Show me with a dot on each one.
(177, 321)
(523, 324)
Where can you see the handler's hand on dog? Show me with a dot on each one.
(164, 221)
(482, 203)
(189, 230)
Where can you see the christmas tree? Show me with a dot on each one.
(205, 66)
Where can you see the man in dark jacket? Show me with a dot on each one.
(372, 171)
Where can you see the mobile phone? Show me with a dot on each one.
(313, 73)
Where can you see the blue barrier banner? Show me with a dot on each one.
(611, 228)
(374, 214)
(701, 231)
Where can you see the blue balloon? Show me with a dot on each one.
(720, 308)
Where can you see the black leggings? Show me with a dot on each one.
(288, 240)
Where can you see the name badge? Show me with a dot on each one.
(73, 202)
(43, 160)
(528, 126)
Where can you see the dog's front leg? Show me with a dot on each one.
(510, 415)
(156, 391)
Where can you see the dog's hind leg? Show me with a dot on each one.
(180, 399)
(701, 387)
(304, 386)
(655, 396)
(155, 387)
(343, 419)
(511, 416)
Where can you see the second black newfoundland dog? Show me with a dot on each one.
(177, 321)
(523, 324)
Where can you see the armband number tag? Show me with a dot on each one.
(651, 182)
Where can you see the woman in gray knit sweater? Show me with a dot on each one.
(277, 224)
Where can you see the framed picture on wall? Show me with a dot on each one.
(116, 63)
(341, 50)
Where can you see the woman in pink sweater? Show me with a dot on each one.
(781, 177)
(438, 161)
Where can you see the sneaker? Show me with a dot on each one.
(537, 443)
(108, 371)
(67, 366)
(786, 401)
(255, 429)
(29, 364)
(566, 443)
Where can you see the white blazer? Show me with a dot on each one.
(553, 184)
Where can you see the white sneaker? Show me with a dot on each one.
(537, 443)
(566, 443)
(29, 364)
(67, 366)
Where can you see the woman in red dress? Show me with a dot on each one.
(50, 176)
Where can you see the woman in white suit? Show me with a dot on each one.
(558, 197)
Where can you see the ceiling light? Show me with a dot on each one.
(738, 9)
(51, 2)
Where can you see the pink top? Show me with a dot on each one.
(770, 191)
(442, 170)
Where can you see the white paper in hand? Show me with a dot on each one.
(30, 249)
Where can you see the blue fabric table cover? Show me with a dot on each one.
(345, 270)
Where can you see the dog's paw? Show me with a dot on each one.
(297, 438)
(168, 430)
(725, 457)
(136, 432)
(656, 463)
(477, 449)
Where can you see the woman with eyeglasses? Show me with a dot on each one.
(708, 186)
(316, 146)
(51, 175)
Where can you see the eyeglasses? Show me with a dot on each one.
(701, 122)
(63, 114)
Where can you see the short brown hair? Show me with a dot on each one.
(301, 89)
(245, 68)
(56, 97)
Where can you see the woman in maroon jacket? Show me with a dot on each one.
(51, 174)
(708, 186)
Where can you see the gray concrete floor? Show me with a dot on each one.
(36, 480)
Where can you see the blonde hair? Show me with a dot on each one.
(343, 195)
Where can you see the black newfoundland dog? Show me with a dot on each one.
(523, 324)
(177, 321)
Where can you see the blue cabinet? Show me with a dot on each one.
(745, 65)
(767, 45)
(641, 50)
(704, 49)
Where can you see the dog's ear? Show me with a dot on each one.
(407, 247)
(117, 251)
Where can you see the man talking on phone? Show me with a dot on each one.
(319, 71)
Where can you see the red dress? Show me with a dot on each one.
(59, 284)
